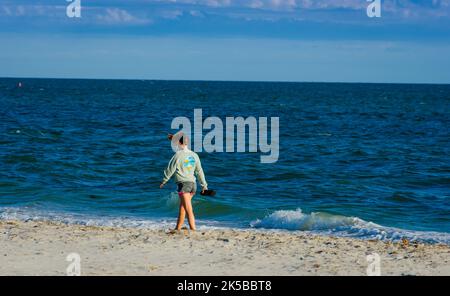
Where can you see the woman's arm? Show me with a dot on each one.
(170, 170)
(201, 175)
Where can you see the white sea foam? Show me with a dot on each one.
(297, 220)
(28, 214)
(283, 220)
(25, 214)
(323, 223)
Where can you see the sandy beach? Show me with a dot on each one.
(41, 248)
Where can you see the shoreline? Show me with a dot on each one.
(41, 248)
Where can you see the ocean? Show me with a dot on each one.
(370, 161)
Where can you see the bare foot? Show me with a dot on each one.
(173, 231)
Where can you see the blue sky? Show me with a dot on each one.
(271, 40)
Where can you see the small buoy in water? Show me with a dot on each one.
(17, 131)
(19, 84)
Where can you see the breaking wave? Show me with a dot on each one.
(328, 224)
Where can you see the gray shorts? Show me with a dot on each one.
(186, 187)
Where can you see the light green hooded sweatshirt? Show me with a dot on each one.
(184, 165)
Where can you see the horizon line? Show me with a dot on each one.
(233, 81)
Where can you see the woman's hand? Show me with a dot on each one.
(161, 185)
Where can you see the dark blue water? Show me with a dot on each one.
(350, 154)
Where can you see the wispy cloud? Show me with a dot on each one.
(116, 16)
(306, 4)
(267, 18)
(125, 11)
(171, 14)
(27, 9)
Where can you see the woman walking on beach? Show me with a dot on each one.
(184, 166)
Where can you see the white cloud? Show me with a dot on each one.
(303, 4)
(141, 12)
(116, 16)
(172, 14)
(271, 4)
(29, 10)
(196, 13)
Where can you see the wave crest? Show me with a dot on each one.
(297, 220)
(328, 224)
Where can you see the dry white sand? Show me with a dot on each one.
(41, 248)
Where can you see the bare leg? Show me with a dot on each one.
(181, 215)
(186, 201)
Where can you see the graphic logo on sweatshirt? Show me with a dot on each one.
(189, 163)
